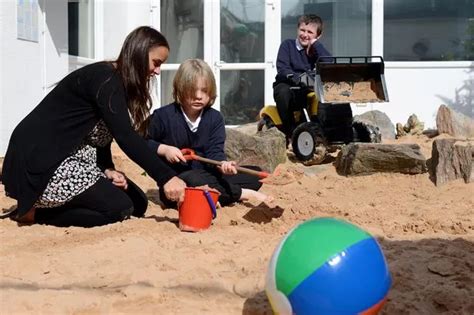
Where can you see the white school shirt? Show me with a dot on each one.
(193, 126)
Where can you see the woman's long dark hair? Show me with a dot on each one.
(132, 65)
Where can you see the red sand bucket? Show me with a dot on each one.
(197, 210)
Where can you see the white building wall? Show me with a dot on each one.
(53, 42)
(119, 19)
(420, 88)
(21, 74)
(27, 68)
(4, 130)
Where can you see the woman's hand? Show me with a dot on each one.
(117, 178)
(171, 153)
(228, 167)
(174, 189)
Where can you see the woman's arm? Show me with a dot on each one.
(104, 158)
(112, 105)
(154, 132)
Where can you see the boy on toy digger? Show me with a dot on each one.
(296, 57)
(313, 92)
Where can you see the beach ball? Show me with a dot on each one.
(327, 266)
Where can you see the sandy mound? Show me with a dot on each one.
(147, 266)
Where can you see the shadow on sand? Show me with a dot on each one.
(429, 276)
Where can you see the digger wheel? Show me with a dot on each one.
(309, 143)
(265, 122)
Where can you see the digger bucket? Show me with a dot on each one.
(355, 79)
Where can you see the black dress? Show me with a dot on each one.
(77, 172)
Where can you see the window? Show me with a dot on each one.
(167, 78)
(242, 42)
(182, 21)
(347, 24)
(242, 30)
(242, 95)
(428, 30)
(81, 28)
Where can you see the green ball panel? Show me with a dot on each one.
(309, 246)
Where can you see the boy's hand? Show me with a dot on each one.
(309, 48)
(171, 153)
(228, 167)
(117, 178)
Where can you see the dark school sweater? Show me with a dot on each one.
(168, 126)
(290, 60)
(46, 136)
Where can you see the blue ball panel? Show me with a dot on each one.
(350, 282)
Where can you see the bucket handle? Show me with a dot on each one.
(211, 204)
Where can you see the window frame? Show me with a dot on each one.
(378, 21)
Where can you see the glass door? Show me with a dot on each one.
(238, 39)
(182, 22)
(245, 61)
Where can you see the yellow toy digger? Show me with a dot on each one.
(326, 119)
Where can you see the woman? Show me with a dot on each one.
(58, 164)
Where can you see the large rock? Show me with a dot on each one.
(379, 119)
(369, 158)
(451, 159)
(246, 146)
(454, 123)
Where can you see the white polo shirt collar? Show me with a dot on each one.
(298, 45)
(193, 126)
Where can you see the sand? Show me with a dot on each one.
(147, 266)
(353, 92)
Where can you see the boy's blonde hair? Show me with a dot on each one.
(184, 83)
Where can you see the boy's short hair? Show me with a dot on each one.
(184, 83)
(312, 19)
